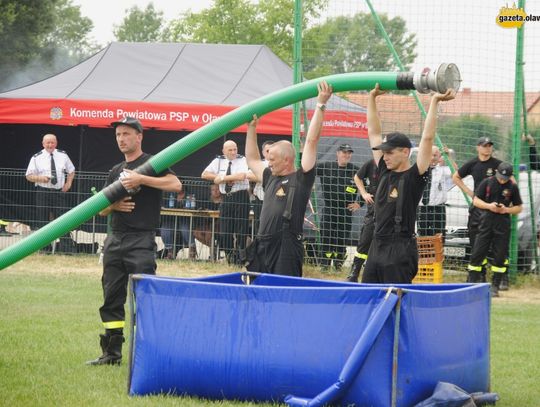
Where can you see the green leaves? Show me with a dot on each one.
(39, 38)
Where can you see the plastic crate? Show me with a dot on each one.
(429, 274)
(430, 249)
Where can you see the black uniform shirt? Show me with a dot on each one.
(276, 190)
(369, 174)
(145, 216)
(480, 170)
(387, 197)
(337, 183)
(507, 194)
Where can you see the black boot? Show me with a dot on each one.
(355, 270)
(504, 281)
(495, 284)
(111, 345)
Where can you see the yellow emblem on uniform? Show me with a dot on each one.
(394, 193)
(280, 192)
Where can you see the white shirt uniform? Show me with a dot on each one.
(40, 164)
(441, 183)
(219, 166)
(258, 190)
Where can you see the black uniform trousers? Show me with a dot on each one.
(336, 228)
(124, 253)
(431, 220)
(494, 234)
(473, 225)
(50, 204)
(234, 220)
(366, 234)
(281, 253)
(391, 260)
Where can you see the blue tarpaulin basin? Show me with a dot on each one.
(306, 340)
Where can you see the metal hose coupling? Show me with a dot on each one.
(445, 77)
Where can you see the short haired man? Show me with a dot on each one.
(432, 211)
(130, 247)
(47, 169)
(230, 171)
(480, 167)
(278, 245)
(393, 255)
(497, 198)
(340, 201)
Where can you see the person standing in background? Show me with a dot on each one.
(432, 209)
(230, 171)
(340, 201)
(367, 180)
(52, 173)
(480, 167)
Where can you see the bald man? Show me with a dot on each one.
(230, 171)
(278, 247)
(52, 173)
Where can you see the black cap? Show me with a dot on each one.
(129, 121)
(345, 147)
(504, 171)
(482, 141)
(394, 140)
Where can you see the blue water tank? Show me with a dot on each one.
(306, 341)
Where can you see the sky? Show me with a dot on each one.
(461, 31)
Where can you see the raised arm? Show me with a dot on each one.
(253, 156)
(430, 127)
(374, 123)
(309, 154)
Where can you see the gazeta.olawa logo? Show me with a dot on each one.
(513, 17)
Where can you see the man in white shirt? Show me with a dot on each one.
(52, 172)
(432, 208)
(230, 171)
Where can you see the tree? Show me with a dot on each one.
(267, 22)
(140, 25)
(354, 44)
(40, 38)
(462, 133)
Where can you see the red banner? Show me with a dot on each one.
(162, 116)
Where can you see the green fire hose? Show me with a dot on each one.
(425, 81)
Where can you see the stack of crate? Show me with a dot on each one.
(430, 260)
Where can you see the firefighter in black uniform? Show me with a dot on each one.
(393, 255)
(498, 198)
(278, 247)
(481, 167)
(340, 201)
(130, 247)
(367, 180)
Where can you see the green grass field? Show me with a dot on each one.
(49, 327)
